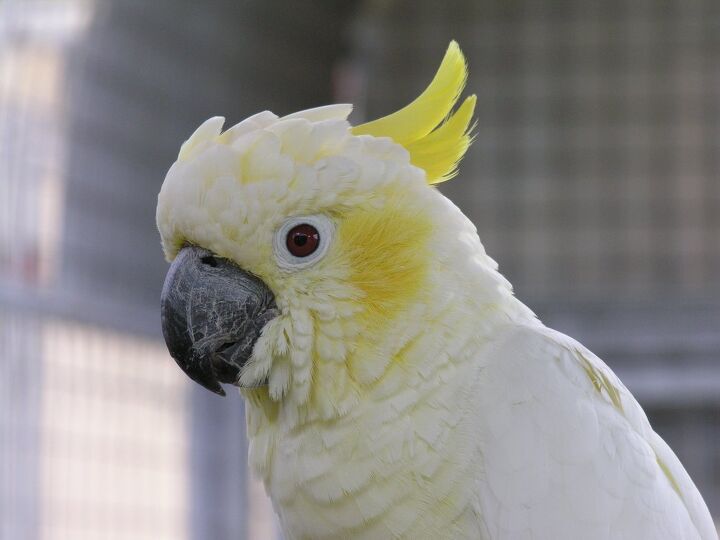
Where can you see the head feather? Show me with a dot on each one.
(435, 149)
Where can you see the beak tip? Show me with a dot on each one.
(204, 377)
(219, 391)
(210, 384)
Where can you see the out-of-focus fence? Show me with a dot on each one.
(594, 178)
(94, 431)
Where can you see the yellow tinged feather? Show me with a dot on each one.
(260, 398)
(386, 249)
(440, 152)
(601, 382)
(669, 475)
(437, 152)
(420, 117)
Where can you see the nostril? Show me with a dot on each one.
(209, 260)
(225, 346)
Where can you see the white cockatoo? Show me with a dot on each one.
(395, 387)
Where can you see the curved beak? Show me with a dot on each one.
(212, 314)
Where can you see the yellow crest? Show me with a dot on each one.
(436, 139)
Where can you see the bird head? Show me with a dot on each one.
(303, 249)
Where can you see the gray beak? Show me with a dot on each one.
(212, 314)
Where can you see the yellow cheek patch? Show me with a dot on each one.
(386, 251)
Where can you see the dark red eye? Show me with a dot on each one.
(303, 240)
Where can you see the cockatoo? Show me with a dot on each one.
(395, 387)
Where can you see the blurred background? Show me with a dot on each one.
(594, 181)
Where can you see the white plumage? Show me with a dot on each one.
(404, 391)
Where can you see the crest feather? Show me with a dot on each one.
(339, 111)
(437, 152)
(440, 152)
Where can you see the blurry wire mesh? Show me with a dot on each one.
(594, 176)
(596, 163)
(93, 431)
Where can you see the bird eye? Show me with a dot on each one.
(301, 241)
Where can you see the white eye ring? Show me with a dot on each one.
(286, 260)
